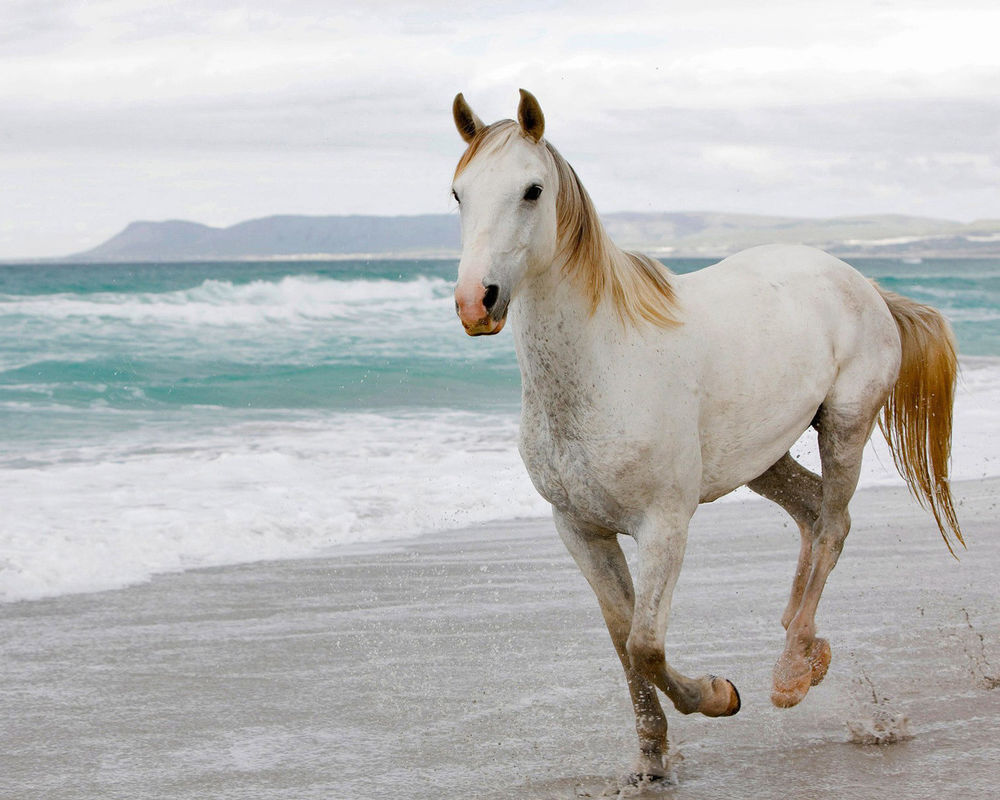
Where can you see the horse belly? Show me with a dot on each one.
(752, 417)
(729, 462)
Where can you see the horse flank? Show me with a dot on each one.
(916, 419)
(637, 286)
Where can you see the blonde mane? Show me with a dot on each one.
(638, 287)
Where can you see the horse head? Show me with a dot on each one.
(506, 186)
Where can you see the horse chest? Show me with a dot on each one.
(593, 476)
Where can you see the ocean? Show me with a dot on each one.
(163, 417)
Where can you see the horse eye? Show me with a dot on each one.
(455, 195)
(533, 192)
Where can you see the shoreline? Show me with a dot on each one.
(475, 663)
(375, 547)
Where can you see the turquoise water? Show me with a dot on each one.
(966, 290)
(163, 416)
(308, 335)
(285, 335)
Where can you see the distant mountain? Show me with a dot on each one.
(287, 235)
(675, 234)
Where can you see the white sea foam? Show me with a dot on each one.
(297, 319)
(216, 302)
(117, 513)
(151, 499)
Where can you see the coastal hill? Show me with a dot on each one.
(710, 234)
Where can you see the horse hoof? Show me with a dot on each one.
(819, 660)
(788, 696)
(722, 701)
(790, 685)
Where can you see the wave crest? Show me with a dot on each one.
(225, 302)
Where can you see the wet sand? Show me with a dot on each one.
(475, 664)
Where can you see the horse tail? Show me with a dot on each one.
(916, 419)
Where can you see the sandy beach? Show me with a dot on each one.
(474, 664)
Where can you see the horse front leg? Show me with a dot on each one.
(661, 540)
(600, 558)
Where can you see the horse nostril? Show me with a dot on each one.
(490, 298)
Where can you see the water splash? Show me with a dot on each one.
(876, 722)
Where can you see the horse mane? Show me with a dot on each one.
(638, 287)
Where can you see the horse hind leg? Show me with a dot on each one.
(800, 492)
(842, 437)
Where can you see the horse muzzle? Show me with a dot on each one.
(481, 309)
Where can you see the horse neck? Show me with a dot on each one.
(561, 340)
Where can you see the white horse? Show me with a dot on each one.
(646, 393)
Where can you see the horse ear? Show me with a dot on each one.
(466, 121)
(529, 114)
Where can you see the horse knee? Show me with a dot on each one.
(645, 655)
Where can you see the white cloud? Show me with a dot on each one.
(218, 112)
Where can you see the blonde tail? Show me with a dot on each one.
(916, 419)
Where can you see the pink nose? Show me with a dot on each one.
(469, 303)
(473, 303)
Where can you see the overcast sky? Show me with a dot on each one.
(116, 110)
